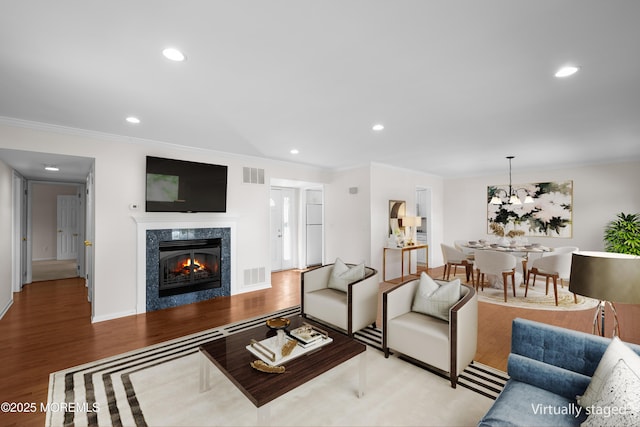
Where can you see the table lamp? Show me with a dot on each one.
(609, 278)
(409, 222)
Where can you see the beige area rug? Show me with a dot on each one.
(53, 270)
(159, 386)
(536, 298)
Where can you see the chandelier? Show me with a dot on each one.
(512, 195)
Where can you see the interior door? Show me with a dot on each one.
(68, 227)
(276, 229)
(89, 232)
(283, 228)
(19, 269)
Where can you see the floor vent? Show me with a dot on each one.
(252, 175)
(253, 276)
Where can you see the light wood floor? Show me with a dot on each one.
(48, 328)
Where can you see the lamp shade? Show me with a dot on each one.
(606, 276)
(411, 221)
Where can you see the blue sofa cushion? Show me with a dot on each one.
(560, 381)
(565, 348)
(521, 404)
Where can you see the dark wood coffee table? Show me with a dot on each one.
(230, 356)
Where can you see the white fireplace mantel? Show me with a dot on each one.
(176, 221)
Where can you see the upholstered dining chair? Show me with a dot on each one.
(460, 245)
(455, 258)
(501, 264)
(341, 295)
(556, 266)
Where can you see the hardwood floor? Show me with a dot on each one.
(48, 328)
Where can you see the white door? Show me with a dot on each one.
(276, 229)
(283, 228)
(68, 227)
(19, 269)
(88, 235)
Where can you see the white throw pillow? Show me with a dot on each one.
(615, 351)
(433, 299)
(342, 275)
(618, 403)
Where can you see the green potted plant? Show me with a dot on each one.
(623, 234)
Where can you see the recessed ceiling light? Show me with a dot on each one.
(567, 71)
(173, 54)
(133, 120)
(52, 168)
(294, 151)
(378, 127)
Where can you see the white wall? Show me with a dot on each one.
(388, 183)
(119, 182)
(6, 293)
(599, 193)
(348, 216)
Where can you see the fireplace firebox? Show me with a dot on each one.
(189, 266)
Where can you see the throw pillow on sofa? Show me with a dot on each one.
(342, 275)
(434, 299)
(616, 351)
(618, 402)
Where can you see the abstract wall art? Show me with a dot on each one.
(548, 215)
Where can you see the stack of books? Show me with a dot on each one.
(307, 335)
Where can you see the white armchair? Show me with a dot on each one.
(448, 346)
(351, 310)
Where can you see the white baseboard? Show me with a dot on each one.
(96, 319)
(6, 308)
(251, 288)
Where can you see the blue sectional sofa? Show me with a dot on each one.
(548, 368)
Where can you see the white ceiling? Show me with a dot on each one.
(457, 84)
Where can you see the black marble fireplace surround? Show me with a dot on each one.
(219, 286)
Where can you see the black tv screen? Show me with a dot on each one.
(183, 186)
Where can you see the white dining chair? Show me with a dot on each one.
(454, 258)
(496, 263)
(556, 266)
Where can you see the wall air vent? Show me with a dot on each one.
(252, 175)
(254, 276)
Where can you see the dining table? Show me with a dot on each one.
(522, 251)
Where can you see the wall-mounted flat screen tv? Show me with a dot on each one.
(183, 186)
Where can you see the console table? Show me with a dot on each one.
(402, 251)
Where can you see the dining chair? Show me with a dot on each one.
(454, 258)
(461, 246)
(554, 266)
(554, 251)
(497, 263)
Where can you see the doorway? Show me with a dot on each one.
(297, 229)
(423, 210)
(28, 169)
(55, 223)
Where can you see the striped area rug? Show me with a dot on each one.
(87, 395)
(480, 378)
